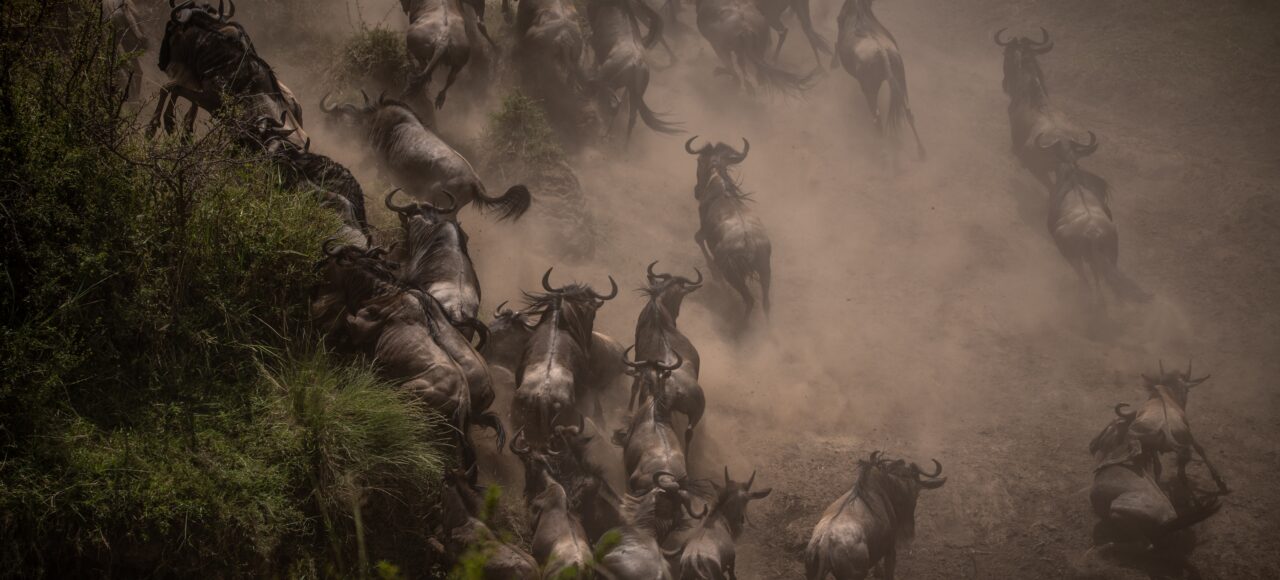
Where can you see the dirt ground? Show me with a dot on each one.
(924, 310)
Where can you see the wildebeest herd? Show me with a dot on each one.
(414, 307)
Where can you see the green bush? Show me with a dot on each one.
(145, 288)
(519, 131)
(374, 58)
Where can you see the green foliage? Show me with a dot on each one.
(372, 57)
(519, 131)
(146, 288)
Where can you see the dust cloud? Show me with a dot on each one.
(918, 307)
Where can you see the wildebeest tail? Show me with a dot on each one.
(1105, 266)
(490, 420)
(635, 94)
(510, 206)
(899, 113)
(816, 566)
(481, 331)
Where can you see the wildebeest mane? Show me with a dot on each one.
(572, 302)
(1089, 180)
(883, 495)
(429, 264)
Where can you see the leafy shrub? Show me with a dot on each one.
(519, 131)
(372, 58)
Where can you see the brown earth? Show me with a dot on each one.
(925, 311)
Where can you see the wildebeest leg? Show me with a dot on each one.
(448, 82)
(871, 91)
(776, 24)
(1077, 264)
(160, 104)
(1184, 457)
(701, 240)
(739, 282)
(634, 93)
(1213, 471)
(726, 64)
(890, 562)
(1156, 467)
(766, 277)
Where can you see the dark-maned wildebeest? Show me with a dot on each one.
(1126, 495)
(637, 556)
(208, 56)
(870, 521)
(709, 552)
(1162, 425)
(302, 169)
(352, 274)
(740, 37)
(1033, 119)
(559, 543)
(774, 10)
(122, 17)
(437, 260)
(508, 335)
(419, 160)
(549, 42)
(591, 496)
(461, 530)
(659, 379)
(620, 62)
(1081, 225)
(653, 458)
(869, 52)
(437, 36)
(658, 339)
(732, 239)
(553, 372)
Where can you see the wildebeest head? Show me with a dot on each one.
(432, 214)
(508, 334)
(670, 289)
(715, 160)
(891, 486)
(350, 120)
(675, 491)
(574, 306)
(1020, 62)
(1177, 383)
(191, 18)
(731, 500)
(650, 378)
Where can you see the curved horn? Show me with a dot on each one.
(688, 146)
(726, 476)
(633, 365)
(1042, 49)
(1042, 146)
(325, 247)
(687, 499)
(221, 17)
(699, 282)
(613, 294)
(498, 311)
(453, 203)
(306, 147)
(659, 474)
(1131, 415)
(937, 469)
(746, 148)
(1044, 37)
(1085, 149)
(751, 480)
(366, 98)
(997, 38)
(679, 361)
(655, 275)
(325, 99)
(515, 447)
(400, 209)
(232, 13)
(546, 281)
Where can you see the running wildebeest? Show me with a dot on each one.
(549, 43)
(620, 62)
(303, 169)
(1161, 423)
(774, 10)
(208, 56)
(869, 52)
(709, 553)
(1126, 495)
(553, 372)
(437, 36)
(1081, 225)
(637, 555)
(461, 530)
(732, 239)
(658, 339)
(419, 160)
(869, 522)
(122, 17)
(653, 458)
(559, 542)
(1033, 120)
(591, 496)
(353, 274)
(508, 335)
(740, 37)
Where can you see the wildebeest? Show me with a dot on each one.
(509, 333)
(302, 169)
(658, 339)
(419, 160)
(559, 542)
(653, 458)
(352, 275)
(1033, 120)
(122, 17)
(1081, 225)
(870, 521)
(1126, 495)
(709, 553)
(774, 10)
(732, 239)
(549, 43)
(620, 62)
(740, 37)
(437, 36)
(461, 531)
(209, 56)
(637, 556)
(1162, 426)
(437, 260)
(591, 496)
(869, 52)
(554, 369)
